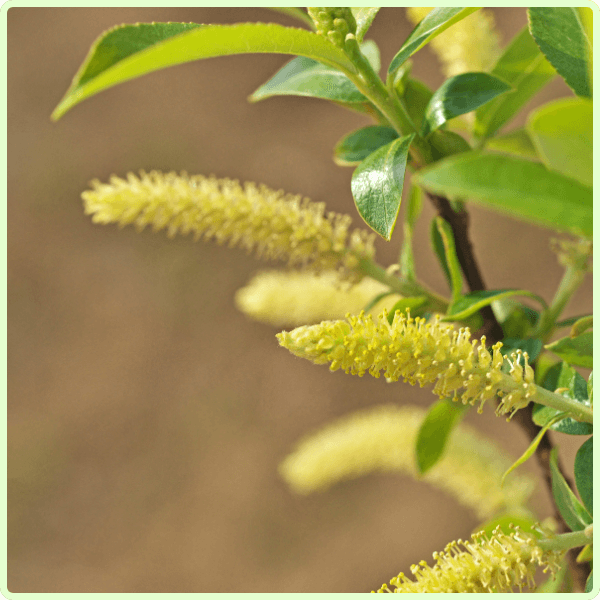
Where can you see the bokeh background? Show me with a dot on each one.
(146, 415)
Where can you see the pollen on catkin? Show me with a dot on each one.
(480, 565)
(418, 352)
(291, 298)
(471, 44)
(383, 440)
(273, 224)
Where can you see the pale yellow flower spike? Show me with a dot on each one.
(383, 440)
(497, 564)
(472, 44)
(418, 352)
(274, 224)
(300, 298)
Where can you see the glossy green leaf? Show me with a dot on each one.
(416, 97)
(516, 142)
(562, 134)
(446, 143)
(459, 95)
(582, 324)
(296, 13)
(532, 446)
(129, 51)
(364, 17)
(573, 385)
(435, 429)
(532, 346)
(377, 185)
(584, 474)
(524, 520)
(576, 351)
(450, 258)
(524, 67)
(589, 584)
(307, 77)
(571, 510)
(414, 203)
(570, 321)
(438, 247)
(514, 186)
(417, 305)
(437, 21)
(474, 301)
(518, 321)
(352, 149)
(560, 35)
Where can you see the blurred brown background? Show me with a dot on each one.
(146, 415)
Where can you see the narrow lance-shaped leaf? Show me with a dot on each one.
(434, 431)
(524, 67)
(437, 21)
(129, 51)
(377, 185)
(562, 134)
(352, 149)
(560, 35)
(364, 17)
(459, 95)
(584, 474)
(517, 187)
(417, 305)
(414, 204)
(577, 351)
(450, 258)
(580, 325)
(571, 510)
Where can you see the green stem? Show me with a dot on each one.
(566, 541)
(578, 411)
(403, 286)
(572, 279)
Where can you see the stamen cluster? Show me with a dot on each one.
(418, 352)
(497, 564)
(274, 224)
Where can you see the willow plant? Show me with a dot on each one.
(350, 312)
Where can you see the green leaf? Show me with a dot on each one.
(516, 142)
(377, 185)
(562, 134)
(447, 143)
(307, 77)
(532, 346)
(573, 386)
(590, 388)
(438, 247)
(364, 17)
(524, 67)
(474, 301)
(417, 306)
(450, 258)
(517, 187)
(581, 325)
(570, 321)
(524, 520)
(414, 204)
(586, 554)
(437, 21)
(571, 510)
(296, 13)
(576, 351)
(584, 474)
(459, 95)
(434, 431)
(532, 447)
(589, 584)
(518, 321)
(129, 51)
(416, 97)
(560, 35)
(352, 149)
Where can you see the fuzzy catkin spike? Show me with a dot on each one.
(273, 224)
(470, 45)
(383, 439)
(417, 352)
(300, 297)
(480, 565)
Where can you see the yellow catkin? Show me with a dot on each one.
(418, 352)
(273, 224)
(300, 297)
(480, 565)
(383, 440)
(470, 45)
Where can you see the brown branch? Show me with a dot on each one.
(459, 223)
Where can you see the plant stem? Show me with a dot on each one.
(403, 286)
(578, 411)
(566, 541)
